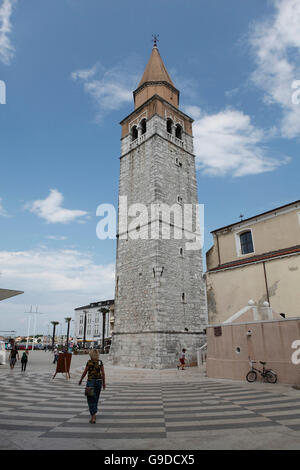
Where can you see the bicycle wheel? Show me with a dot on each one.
(251, 376)
(271, 377)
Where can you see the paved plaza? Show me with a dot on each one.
(143, 409)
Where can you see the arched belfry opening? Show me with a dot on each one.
(178, 131)
(134, 133)
(143, 125)
(169, 125)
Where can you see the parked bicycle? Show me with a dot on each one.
(267, 374)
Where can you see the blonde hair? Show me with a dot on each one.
(94, 355)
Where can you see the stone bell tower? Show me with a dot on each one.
(159, 300)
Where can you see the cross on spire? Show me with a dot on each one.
(155, 39)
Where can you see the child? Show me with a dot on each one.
(24, 360)
(182, 360)
(55, 352)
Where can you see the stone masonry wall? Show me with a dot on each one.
(153, 321)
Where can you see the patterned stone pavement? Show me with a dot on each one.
(39, 412)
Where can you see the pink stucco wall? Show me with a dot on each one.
(270, 341)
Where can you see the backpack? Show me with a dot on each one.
(24, 357)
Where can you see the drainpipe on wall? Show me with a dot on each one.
(266, 283)
(219, 259)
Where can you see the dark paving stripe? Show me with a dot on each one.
(247, 393)
(186, 405)
(186, 394)
(268, 402)
(277, 408)
(38, 411)
(107, 407)
(95, 435)
(140, 387)
(266, 396)
(294, 427)
(45, 410)
(201, 410)
(32, 418)
(210, 418)
(43, 404)
(222, 388)
(208, 427)
(189, 403)
(21, 427)
(281, 417)
(150, 396)
(119, 401)
(113, 425)
(118, 416)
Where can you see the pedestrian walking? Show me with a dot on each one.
(96, 380)
(55, 352)
(24, 360)
(181, 360)
(13, 356)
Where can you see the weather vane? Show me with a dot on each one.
(155, 39)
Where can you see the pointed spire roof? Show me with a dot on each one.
(155, 70)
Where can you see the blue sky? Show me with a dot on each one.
(70, 67)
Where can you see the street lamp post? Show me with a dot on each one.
(104, 311)
(54, 323)
(68, 319)
(84, 328)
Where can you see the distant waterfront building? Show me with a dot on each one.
(257, 258)
(91, 316)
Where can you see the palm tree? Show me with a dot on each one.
(68, 319)
(54, 323)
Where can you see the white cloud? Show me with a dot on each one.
(275, 43)
(193, 111)
(56, 237)
(44, 270)
(52, 211)
(6, 48)
(56, 281)
(110, 88)
(227, 143)
(3, 212)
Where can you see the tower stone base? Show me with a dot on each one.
(154, 350)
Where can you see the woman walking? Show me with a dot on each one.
(24, 360)
(96, 380)
(13, 356)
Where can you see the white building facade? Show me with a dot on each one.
(91, 319)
